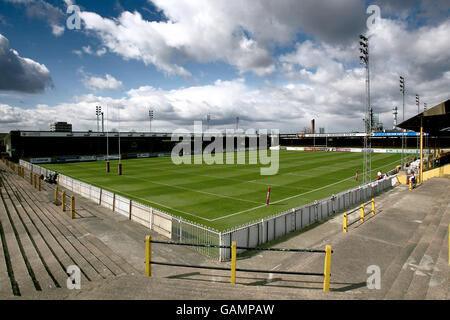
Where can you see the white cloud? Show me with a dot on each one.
(57, 30)
(99, 83)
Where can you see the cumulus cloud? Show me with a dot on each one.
(315, 78)
(242, 34)
(21, 74)
(98, 83)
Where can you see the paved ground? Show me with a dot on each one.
(407, 241)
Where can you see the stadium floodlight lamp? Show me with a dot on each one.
(150, 115)
(362, 37)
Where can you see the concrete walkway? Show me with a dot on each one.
(406, 241)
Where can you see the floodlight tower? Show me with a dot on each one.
(424, 106)
(98, 112)
(150, 115)
(418, 111)
(119, 166)
(403, 90)
(364, 59)
(108, 168)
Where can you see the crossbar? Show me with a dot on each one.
(238, 247)
(237, 269)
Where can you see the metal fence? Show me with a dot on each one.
(269, 229)
(250, 235)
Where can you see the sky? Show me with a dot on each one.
(273, 64)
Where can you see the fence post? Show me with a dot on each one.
(345, 222)
(56, 195)
(327, 269)
(148, 256)
(131, 206)
(233, 262)
(72, 207)
(63, 198)
(362, 213)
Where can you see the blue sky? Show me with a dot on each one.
(274, 64)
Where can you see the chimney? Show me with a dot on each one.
(313, 126)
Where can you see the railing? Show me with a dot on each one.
(327, 263)
(362, 215)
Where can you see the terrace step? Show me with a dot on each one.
(407, 263)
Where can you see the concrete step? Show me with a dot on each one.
(155, 288)
(24, 282)
(427, 265)
(397, 276)
(438, 286)
(425, 234)
(108, 262)
(36, 263)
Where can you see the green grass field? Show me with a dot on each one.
(226, 196)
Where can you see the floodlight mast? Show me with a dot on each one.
(98, 112)
(403, 90)
(119, 166)
(108, 168)
(150, 115)
(364, 59)
(418, 111)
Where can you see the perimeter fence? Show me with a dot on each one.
(250, 235)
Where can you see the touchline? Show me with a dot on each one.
(235, 140)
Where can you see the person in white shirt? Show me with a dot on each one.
(380, 175)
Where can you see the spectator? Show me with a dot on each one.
(379, 175)
(412, 179)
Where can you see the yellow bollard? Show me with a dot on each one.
(63, 197)
(233, 262)
(373, 207)
(148, 256)
(362, 213)
(345, 222)
(56, 195)
(72, 207)
(410, 185)
(34, 179)
(327, 269)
